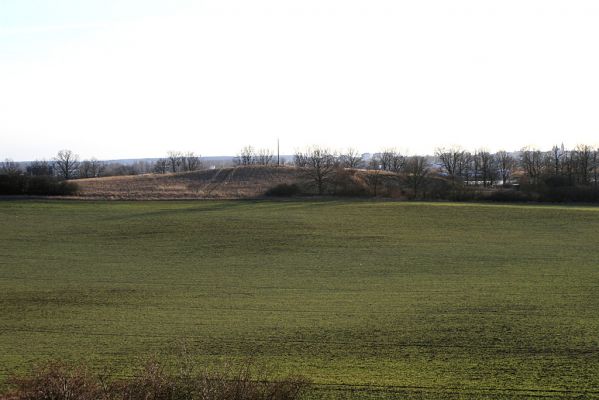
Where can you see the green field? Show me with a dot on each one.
(378, 299)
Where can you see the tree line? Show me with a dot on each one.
(67, 165)
(558, 174)
(460, 170)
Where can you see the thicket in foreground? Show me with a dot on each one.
(62, 381)
(16, 184)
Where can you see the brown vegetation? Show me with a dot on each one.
(61, 381)
(232, 183)
(254, 182)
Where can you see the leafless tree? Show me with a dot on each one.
(67, 164)
(263, 157)
(583, 155)
(9, 167)
(569, 167)
(91, 168)
(532, 163)
(555, 157)
(319, 166)
(488, 172)
(505, 165)
(300, 159)
(40, 168)
(139, 167)
(161, 166)
(417, 169)
(191, 162)
(374, 175)
(454, 161)
(246, 156)
(596, 167)
(391, 160)
(351, 159)
(175, 161)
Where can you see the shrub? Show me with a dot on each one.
(36, 186)
(347, 183)
(566, 194)
(510, 195)
(12, 184)
(50, 186)
(284, 190)
(56, 381)
(61, 381)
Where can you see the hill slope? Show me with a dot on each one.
(240, 182)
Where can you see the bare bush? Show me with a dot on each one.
(61, 381)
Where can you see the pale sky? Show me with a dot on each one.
(136, 78)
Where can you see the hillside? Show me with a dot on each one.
(233, 183)
(240, 182)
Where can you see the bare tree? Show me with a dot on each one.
(532, 163)
(474, 168)
(352, 159)
(263, 157)
(246, 156)
(583, 156)
(488, 172)
(138, 167)
(161, 166)
(40, 168)
(85, 169)
(300, 159)
(175, 161)
(569, 167)
(191, 162)
(67, 164)
(417, 169)
(9, 167)
(555, 157)
(454, 161)
(91, 168)
(319, 166)
(374, 176)
(391, 160)
(596, 167)
(505, 165)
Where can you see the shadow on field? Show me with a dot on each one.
(218, 207)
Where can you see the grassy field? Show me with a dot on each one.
(370, 299)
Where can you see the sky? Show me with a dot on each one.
(136, 78)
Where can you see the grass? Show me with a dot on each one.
(368, 299)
